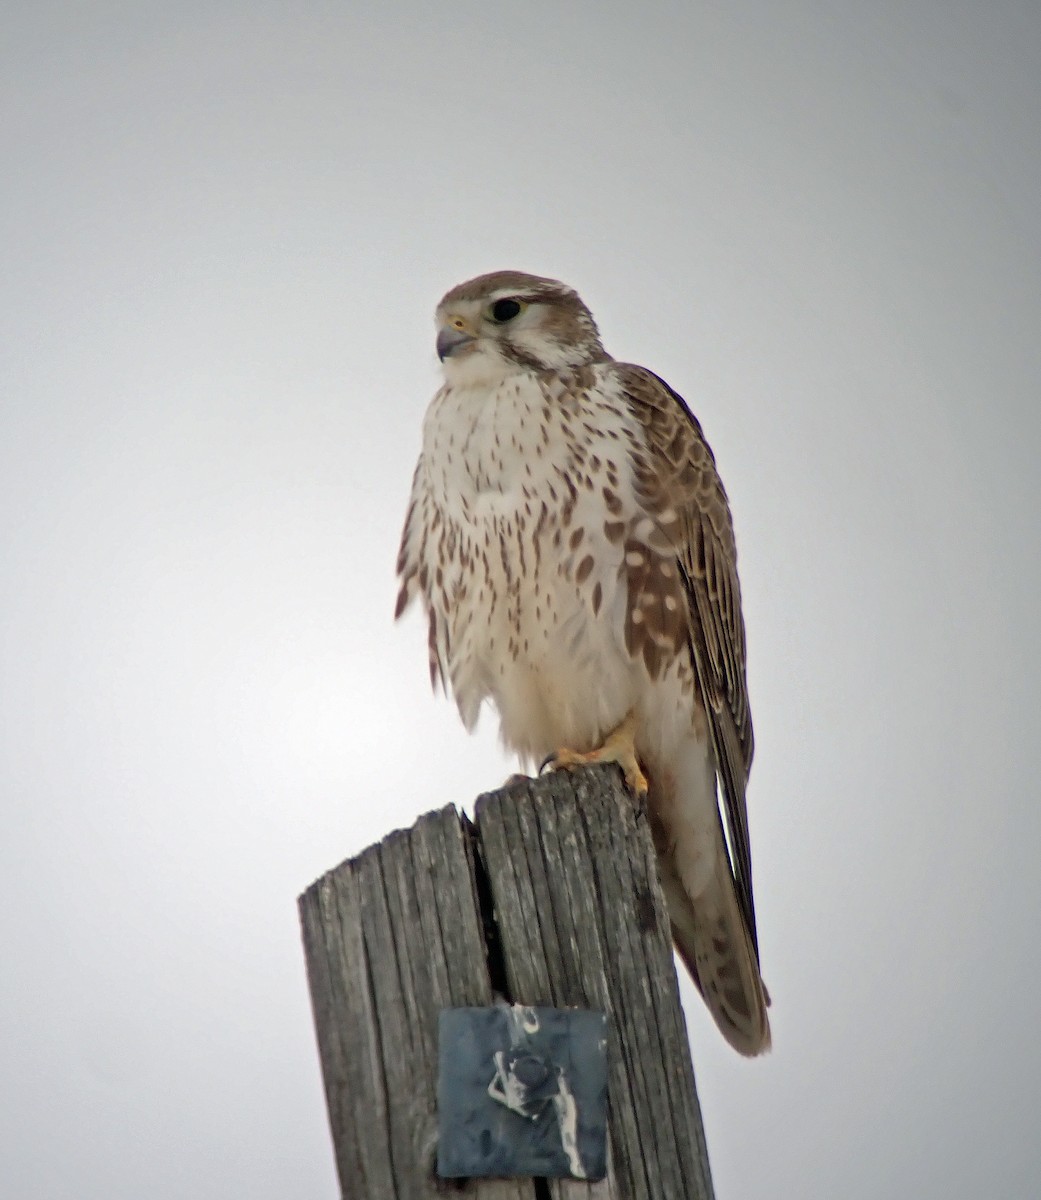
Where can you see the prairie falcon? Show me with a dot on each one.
(571, 542)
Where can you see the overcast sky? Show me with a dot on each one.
(225, 229)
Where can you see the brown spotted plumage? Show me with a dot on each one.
(571, 542)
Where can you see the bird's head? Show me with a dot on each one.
(508, 322)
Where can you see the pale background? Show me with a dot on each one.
(225, 227)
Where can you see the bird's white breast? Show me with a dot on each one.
(526, 586)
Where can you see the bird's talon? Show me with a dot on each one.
(640, 807)
(617, 748)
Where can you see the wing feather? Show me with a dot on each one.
(679, 485)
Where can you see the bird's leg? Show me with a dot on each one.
(619, 747)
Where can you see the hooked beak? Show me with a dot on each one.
(451, 339)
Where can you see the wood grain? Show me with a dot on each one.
(582, 921)
(553, 895)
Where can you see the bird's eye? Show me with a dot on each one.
(505, 310)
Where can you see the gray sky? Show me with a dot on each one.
(225, 230)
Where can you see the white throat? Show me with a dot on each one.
(479, 366)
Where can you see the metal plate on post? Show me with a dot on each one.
(522, 1091)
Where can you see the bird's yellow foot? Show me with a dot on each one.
(618, 748)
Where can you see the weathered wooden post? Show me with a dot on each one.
(550, 897)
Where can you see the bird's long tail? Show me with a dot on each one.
(714, 942)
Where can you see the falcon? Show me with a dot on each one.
(571, 543)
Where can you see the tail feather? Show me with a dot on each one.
(713, 940)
